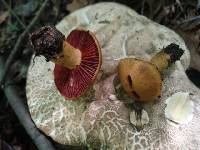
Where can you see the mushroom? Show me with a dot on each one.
(141, 79)
(77, 58)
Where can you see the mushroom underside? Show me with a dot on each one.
(72, 83)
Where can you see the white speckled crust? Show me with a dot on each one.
(95, 120)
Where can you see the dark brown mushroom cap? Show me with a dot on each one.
(47, 41)
(174, 51)
(73, 83)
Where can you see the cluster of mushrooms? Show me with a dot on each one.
(77, 63)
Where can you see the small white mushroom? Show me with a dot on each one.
(139, 123)
(179, 108)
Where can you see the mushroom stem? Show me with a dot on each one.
(161, 60)
(53, 45)
(166, 56)
(69, 57)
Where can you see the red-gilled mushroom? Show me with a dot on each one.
(77, 58)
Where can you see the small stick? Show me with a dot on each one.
(23, 115)
(13, 13)
(19, 42)
(189, 23)
(198, 6)
(142, 9)
(196, 18)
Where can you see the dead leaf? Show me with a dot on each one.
(27, 9)
(5, 146)
(3, 16)
(192, 40)
(76, 4)
(17, 72)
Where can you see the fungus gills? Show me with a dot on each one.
(77, 58)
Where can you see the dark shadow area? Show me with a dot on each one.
(194, 76)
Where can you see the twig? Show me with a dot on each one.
(23, 115)
(13, 13)
(198, 6)
(19, 42)
(142, 9)
(190, 23)
(196, 18)
(180, 5)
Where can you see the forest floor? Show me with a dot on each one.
(18, 18)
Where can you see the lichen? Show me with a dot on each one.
(80, 122)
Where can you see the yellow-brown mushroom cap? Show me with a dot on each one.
(140, 79)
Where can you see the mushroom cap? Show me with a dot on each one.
(140, 79)
(72, 83)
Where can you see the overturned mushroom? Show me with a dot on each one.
(141, 79)
(77, 58)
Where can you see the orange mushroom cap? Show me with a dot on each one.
(140, 79)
